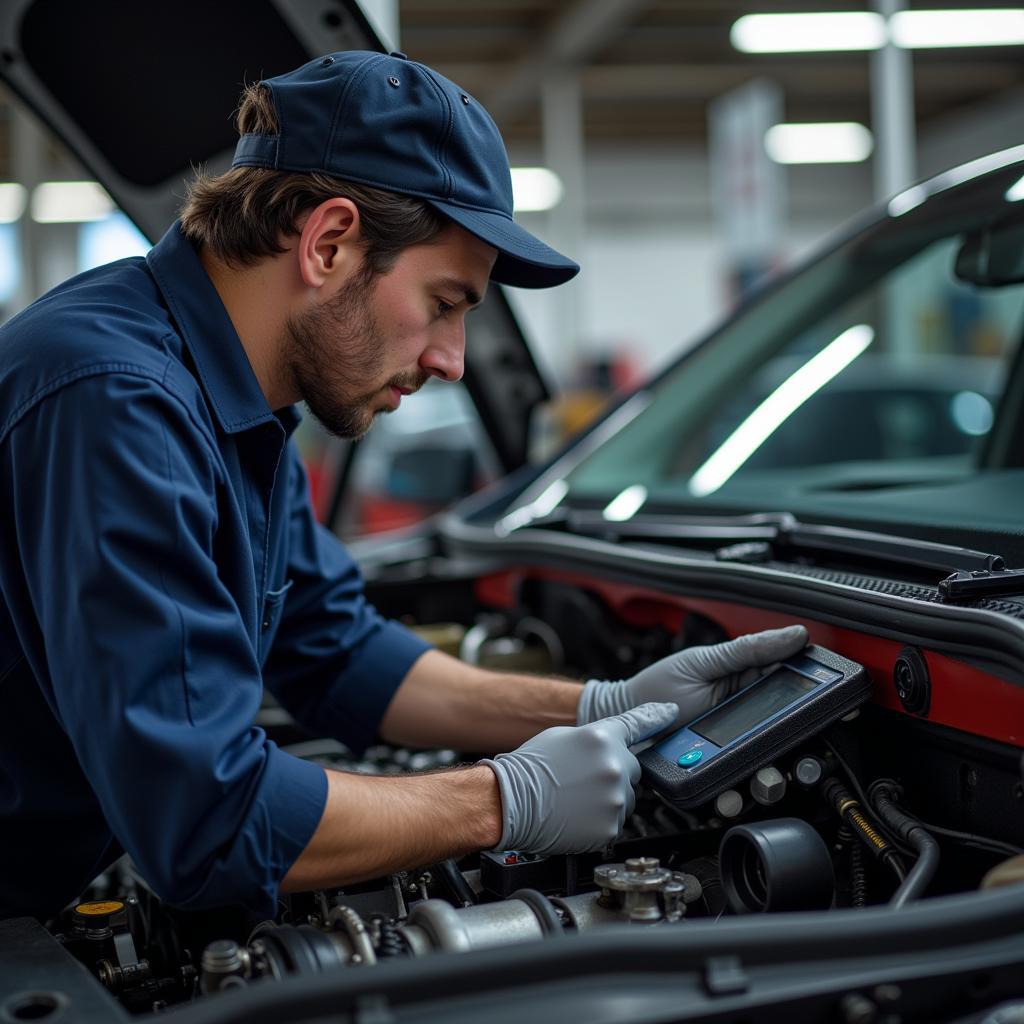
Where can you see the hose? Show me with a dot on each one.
(858, 873)
(389, 942)
(850, 811)
(883, 794)
(455, 882)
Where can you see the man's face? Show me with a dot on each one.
(357, 353)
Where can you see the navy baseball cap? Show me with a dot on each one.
(391, 123)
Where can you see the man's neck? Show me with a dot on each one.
(254, 298)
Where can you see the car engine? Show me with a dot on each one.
(872, 811)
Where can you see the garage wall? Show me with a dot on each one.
(655, 275)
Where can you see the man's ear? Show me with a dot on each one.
(330, 243)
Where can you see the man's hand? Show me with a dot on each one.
(695, 679)
(569, 790)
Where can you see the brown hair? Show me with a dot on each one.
(243, 214)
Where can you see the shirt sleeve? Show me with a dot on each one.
(335, 662)
(148, 666)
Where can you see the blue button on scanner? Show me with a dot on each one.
(692, 756)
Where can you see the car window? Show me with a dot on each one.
(916, 363)
(878, 364)
(413, 462)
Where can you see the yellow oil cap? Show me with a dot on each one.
(99, 908)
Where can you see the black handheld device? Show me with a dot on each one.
(748, 730)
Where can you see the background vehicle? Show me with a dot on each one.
(621, 548)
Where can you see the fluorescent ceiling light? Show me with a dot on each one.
(920, 29)
(12, 202)
(535, 188)
(803, 33)
(626, 504)
(70, 202)
(778, 407)
(1015, 193)
(837, 142)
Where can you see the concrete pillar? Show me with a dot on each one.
(28, 168)
(563, 148)
(894, 166)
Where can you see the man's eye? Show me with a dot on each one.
(443, 307)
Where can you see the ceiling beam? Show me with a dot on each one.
(659, 82)
(581, 32)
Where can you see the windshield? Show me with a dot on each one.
(874, 367)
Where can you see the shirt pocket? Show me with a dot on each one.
(273, 606)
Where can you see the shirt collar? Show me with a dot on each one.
(221, 362)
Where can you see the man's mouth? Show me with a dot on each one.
(398, 389)
(397, 393)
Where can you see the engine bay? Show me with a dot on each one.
(885, 808)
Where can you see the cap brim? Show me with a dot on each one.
(523, 261)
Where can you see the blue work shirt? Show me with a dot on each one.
(160, 563)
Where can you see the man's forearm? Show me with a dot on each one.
(372, 826)
(444, 702)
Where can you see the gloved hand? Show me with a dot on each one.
(696, 679)
(569, 790)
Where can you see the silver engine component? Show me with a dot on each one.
(638, 891)
(644, 892)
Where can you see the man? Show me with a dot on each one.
(160, 562)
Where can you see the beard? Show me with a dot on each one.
(334, 355)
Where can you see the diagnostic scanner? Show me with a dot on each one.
(750, 729)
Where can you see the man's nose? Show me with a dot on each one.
(444, 356)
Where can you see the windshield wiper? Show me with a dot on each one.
(972, 574)
(761, 537)
(883, 547)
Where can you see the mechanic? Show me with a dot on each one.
(160, 562)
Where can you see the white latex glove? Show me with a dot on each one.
(696, 679)
(568, 790)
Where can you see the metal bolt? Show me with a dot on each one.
(107, 977)
(808, 771)
(768, 786)
(642, 865)
(888, 993)
(674, 896)
(858, 1009)
(221, 957)
(729, 804)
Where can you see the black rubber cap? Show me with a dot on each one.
(776, 865)
(912, 681)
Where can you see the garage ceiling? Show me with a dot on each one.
(650, 68)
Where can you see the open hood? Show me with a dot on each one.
(141, 93)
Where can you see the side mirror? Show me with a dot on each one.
(992, 256)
